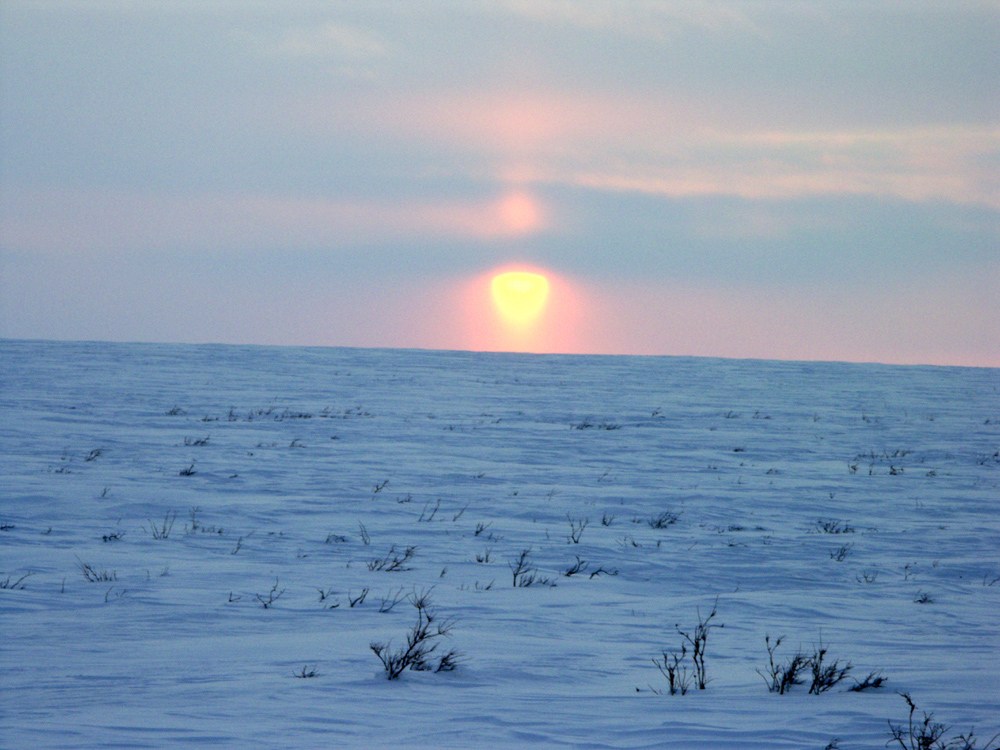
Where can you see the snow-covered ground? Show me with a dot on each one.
(853, 506)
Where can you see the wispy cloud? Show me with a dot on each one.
(327, 40)
(674, 148)
(654, 19)
(952, 164)
(95, 221)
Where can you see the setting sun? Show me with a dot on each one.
(520, 296)
(521, 308)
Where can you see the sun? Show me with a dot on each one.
(520, 296)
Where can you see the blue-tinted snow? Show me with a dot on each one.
(294, 450)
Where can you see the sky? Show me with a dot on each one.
(764, 179)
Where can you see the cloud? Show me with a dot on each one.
(97, 221)
(674, 148)
(327, 40)
(949, 164)
(653, 19)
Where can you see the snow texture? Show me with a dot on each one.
(853, 506)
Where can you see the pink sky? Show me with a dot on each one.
(767, 180)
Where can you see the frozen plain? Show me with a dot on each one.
(294, 469)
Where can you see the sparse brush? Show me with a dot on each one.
(927, 734)
(162, 530)
(663, 520)
(873, 681)
(781, 677)
(428, 513)
(576, 527)
(698, 640)
(390, 600)
(578, 567)
(825, 676)
(393, 561)
(93, 575)
(524, 574)
(604, 571)
(268, 599)
(672, 666)
(357, 601)
(840, 554)
(421, 644)
(832, 526)
(9, 583)
(521, 567)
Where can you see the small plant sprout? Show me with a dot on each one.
(268, 599)
(840, 553)
(520, 568)
(576, 527)
(14, 584)
(429, 511)
(162, 530)
(831, 526)
(663, 520)
(578, 567)
(524, 574)
(306, 672)
(325, 594)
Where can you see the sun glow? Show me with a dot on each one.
(520, 296)
(521, 308)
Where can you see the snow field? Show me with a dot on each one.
(853, 506)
